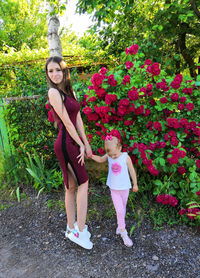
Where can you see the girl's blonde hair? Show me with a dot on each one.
(111, 142)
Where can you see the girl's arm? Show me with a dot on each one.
(81, 130)
(99, 159)
(132, 173)
(57, 103)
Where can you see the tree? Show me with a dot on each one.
(22, 23)
(168, 31)
(53, 22)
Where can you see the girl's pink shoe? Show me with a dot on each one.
(126, 239)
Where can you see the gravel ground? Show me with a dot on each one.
(32, 245)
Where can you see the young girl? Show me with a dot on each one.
(120, 166)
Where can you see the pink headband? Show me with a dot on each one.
(108, 137)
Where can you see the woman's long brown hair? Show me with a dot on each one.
(66, 83)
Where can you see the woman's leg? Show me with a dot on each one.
(70, 199)
(82, 204)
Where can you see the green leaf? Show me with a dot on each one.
(158, 182)
(162, 161)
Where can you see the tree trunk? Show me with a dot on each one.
(55, 48)
(186, 55)
(178, 62)
(194, 7)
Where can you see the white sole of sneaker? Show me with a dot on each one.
(85, 244)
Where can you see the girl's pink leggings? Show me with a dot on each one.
(120, 198)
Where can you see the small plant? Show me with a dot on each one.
(55, 204)
(12, 173)
(193, 210)
(43, 178)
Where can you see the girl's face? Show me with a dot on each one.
(55, 73)
(114, 152)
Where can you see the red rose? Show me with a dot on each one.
(163, 100)
(92, 99)
(97, 79)
(190, 106)
(50, 116)
(157, 126)
(115, 133)
(154, 69)
(183, 122)
(93, 117)
(147, 62)
(181, 170)
(147, 112)
(101, 93)
(87, 110)
(166, 137)
(111, 80)
(179, 77)
(152, 102)
(183, 99)
(124, 102)
(172, 133)
(181, 106)
(173, 122)
(101, 151)
(174, 96)
(175, 84)
(182, 211)
(174, 141)
(132, 50)
(172, 201)
(133, 95)
(172, 160)
(110, 98)
(162, 144)
(129, 65)
(198, 163)
(48, 106)
(126, 80)
(139, 110)
(103, 70)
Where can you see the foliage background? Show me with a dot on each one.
(173, 42)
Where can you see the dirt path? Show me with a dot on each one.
(32, 245)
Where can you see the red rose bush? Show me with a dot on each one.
(155, 116)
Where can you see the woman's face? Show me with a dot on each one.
(55, 73)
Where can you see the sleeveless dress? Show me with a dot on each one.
(118, 175)
(66, 149)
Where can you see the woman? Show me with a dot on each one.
(70, 149)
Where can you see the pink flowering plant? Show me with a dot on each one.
(192, 211)
(155, 116)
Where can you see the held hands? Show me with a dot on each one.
(88, 150)
(135, 188)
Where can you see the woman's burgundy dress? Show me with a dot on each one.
(66, 149)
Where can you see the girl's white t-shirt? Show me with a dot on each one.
(118, 175)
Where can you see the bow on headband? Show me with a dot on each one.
(108, 137)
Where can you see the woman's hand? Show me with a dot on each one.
(88, 150)
(81, 155)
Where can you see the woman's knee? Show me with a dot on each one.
(83, 186)
(70, 189)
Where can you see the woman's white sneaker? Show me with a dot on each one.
(81, 238)
(68, 230)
